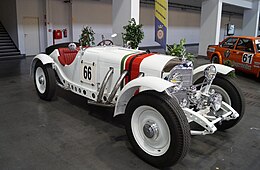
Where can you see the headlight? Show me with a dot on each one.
(210, 72)
(216, 101)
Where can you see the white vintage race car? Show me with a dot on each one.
(162, 97)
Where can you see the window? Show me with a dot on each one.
(258, 47)
(245, 45)
(257, 42)
(229, 43)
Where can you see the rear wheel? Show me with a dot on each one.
(44, 80)
(157, 128)
(232, 95)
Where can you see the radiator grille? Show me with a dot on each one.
(185, 73)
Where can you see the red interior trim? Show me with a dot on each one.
(67, 56)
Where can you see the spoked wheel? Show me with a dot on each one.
(232, 95)
(44, 80)
(157, 128)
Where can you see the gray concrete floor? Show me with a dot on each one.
(69, 134)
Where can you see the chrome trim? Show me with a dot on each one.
(104, 84)
(116, 87)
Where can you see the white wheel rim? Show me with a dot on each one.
(222, 92)
(144, 119)
(40, 80)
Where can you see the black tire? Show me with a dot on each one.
(49, 82)
(235, 95)
(176, 121)
(215, 59)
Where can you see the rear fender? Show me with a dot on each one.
(222, 69)
(45, 59)
(144, 83)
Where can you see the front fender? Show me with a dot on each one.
(45, 59)
(144, 83)
(219, 56)
(199, 71)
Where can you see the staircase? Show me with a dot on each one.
(8, 50)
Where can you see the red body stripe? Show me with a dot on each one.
(135, 68)
(127, 65)
(135, 71)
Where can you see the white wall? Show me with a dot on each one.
(181, 24)
(31, 8)
(59, 18)
(98, 15)
(8, 17)
(251, 20)
(236, 20)
(122, 12)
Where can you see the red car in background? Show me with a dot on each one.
(243, 52)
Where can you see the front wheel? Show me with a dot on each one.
(232, 95)
(215, 59)
(157, 128)
(44, 80)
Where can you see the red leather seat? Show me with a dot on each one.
(67, 56)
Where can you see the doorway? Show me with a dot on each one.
(31, 35)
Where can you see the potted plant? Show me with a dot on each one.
(133, 34)
(179, 50)
(230, 64)
(87, 36)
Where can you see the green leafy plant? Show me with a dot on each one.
(87, 36)
(230, 64)
(133, 34)
(179, 50)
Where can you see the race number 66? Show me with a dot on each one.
(247, 58)
(88, 71)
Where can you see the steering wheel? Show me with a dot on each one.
(105, 43)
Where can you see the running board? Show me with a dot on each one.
(100, 104)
